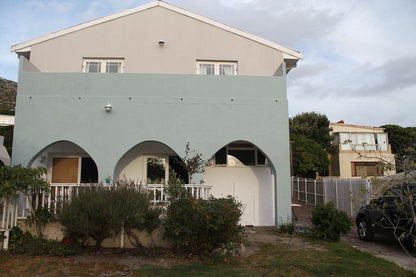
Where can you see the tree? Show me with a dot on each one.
(193, 162)
(29, 181)
(400, 138)
(311, 144)
(308, 157)
(314, 126)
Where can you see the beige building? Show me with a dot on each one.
(362, 151)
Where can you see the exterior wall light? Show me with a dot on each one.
(108, 107)
(161, 42)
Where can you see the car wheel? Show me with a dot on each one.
(363, 228)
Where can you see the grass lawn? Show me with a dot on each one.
(313, 258)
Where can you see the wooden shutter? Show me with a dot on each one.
(65, 170)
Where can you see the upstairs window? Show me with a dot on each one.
(103, 65)
(363, 141)
(216, 68)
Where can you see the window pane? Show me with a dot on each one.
(93, 67)
(113, 67)
(227, 69)
(241, 157)
(176, 164)
(382, 141)
(344, 139)
(221, 156)
(155, 171)
(261, 159)
(89, 172)
(206, 69)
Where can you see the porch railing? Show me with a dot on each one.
(61, 193)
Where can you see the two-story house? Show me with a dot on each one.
(363, 151)
(119, 97)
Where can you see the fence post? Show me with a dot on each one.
(306, 191)
(298, 187)
(314, 190)
(336, 193)
(351, 208)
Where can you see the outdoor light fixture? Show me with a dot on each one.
(108, 107)
(161, 42)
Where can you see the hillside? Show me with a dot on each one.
(8, 91)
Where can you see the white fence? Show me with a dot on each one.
(346, 194)
(18, 207)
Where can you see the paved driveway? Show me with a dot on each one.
(384, 247)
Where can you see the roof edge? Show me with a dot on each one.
(288, 53)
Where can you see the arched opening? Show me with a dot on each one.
(150, 162)
(243, 170)
(67, 163)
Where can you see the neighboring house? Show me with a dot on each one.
(361, 151)
(120, 97)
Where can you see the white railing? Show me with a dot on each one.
(61, 193)
(158, 193)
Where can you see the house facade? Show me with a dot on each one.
(121, 96)
(361, 151)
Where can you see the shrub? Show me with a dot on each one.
(99, 212)
(209, 228)
(39, 218)
(24, 243)
(287, 228)
(330, 223)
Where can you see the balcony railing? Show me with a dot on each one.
(61, 193)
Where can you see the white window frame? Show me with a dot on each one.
(216, 65)
(103, 62)
(146, 157)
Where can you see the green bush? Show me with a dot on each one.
(209, 228)
(39, 218)
(24, 243)
(99, 212)
(329, 223)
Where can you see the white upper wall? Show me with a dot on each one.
(134, 35)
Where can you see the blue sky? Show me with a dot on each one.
(360, 56)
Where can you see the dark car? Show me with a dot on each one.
(391, 214)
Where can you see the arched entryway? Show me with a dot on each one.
(242, 170)
(150, 162)
(66, 163)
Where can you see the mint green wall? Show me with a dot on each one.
(207, 111)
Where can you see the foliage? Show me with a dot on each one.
(308, 157)
(311, 144)
(328, 223)
(193, 162)
(24, 243)
(100, 212)
(400, 138)
(17, 178)
(40, 217)
(29, 181)
(314, 126)
(207, 227)
(8, 92)
(287, 228)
